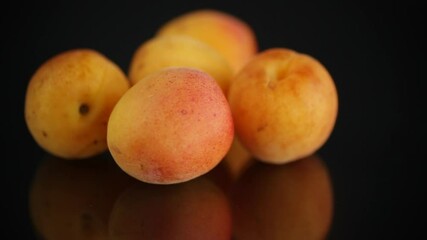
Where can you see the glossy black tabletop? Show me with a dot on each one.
(365, 182)
(94, 199)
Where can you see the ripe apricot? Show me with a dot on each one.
(69, 100)
(228, 34)
(284, 105)
(171, 126)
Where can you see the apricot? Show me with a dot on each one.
(73, 199)
(284, 105)
(288, 201)
(175, 51)
(221, 176)
(230, 35)
(237, 159)
(195, 209)
(69, 100)
(171, 126)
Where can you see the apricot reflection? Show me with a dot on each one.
(197, 209)
(94, 199)
(290, 201)
(73, 199)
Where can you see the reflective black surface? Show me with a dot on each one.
(73, 199)
(374, 51)
(94, 199)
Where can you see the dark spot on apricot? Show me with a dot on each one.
(272, 84)
(83, 109)
(141, 166)
(183, 112)
(44, 134)
(95, 142)
(141, 65)
(262, 127)
(115, 149)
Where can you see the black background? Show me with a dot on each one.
(373, 50)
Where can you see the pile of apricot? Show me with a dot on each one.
(199, 92)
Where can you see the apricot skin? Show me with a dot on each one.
(284, 105)
(230, 35)
(68, 102)
(170, 127)
(237, 159)
(175, 51)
